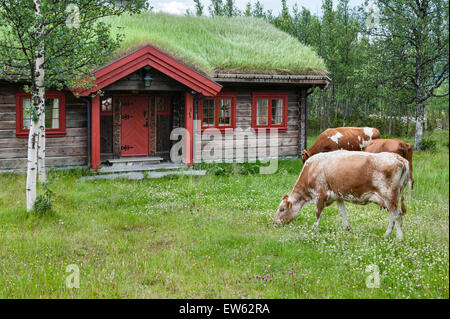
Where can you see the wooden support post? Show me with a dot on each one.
(302, 121)
(95, 132)
(189, 126)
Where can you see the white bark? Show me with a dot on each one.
(419, 127)
(31, 166)
(37, 126)
(41, 145)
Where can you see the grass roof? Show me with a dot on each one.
(219, 44)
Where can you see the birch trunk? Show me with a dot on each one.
(41, 147)
(31, 166)
(38, 109)
(420, 106)
(419, 126)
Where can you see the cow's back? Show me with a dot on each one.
(343, 138)
(389, 145)
(351, 174)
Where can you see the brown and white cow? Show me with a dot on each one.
(395, 146)
(356, 177)
(342, 138)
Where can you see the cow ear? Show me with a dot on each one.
(286, 199)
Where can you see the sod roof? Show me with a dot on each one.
(219, 44)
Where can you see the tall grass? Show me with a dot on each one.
(211, 237)
(219, 44)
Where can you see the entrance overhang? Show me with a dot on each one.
(150, 56)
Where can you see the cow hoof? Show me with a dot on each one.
(348, 228)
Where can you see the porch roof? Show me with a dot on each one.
(150, 56)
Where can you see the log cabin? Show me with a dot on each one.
(196, 73)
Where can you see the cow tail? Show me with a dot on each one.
(404, 177)
(409, 156)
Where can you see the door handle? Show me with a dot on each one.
(146, 123)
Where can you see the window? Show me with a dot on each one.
(55, 122)
(106, 108)
(269, 110)
(163, 105)
(218, 112)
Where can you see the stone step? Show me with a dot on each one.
(138, 168)
(133, 161)
(140, 175)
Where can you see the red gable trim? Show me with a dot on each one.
(148, 55)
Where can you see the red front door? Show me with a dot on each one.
(134, 125)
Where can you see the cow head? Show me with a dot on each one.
(305, 156)
(285, 213)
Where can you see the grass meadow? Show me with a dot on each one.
(211, 237)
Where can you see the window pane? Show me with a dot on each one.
(26, 113)
(224, 112)
(277, 111)
(107, 104)
(51, 113)
(261, 112)
(208, 112)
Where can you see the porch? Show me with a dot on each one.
(143, 97)
(134, 129)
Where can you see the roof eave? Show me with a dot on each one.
(313, 80)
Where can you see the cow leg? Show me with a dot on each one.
(403, 204)
(411, 186)
(391, 224)
(319, 209)
(343, 212)
(398, 225)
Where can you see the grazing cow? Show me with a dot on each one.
(342, 138)
(356, 177)
(395, 146)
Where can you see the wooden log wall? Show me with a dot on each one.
(241, 146)
(70, 150)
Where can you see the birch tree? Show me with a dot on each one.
(415, 32)
(54, 44)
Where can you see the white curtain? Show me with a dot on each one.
(26, 115)
(55, 114)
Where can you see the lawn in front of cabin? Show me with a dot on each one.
(211, 237)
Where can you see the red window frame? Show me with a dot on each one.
(230, 96)
(270, 96)
(49, 132)
(167, 110)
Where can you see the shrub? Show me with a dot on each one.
(43, 205)
(218, 171)
(428, 144)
